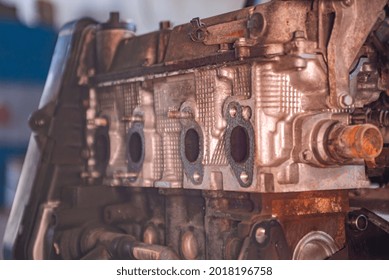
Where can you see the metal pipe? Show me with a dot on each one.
(355, 142)
(125, 246)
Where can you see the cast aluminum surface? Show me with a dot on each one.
(279, 98)
(241, 136)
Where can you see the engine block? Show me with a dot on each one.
(237, 136)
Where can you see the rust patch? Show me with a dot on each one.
(332, 224)
(358, 141)
(372, 142)
(301, 213)
(306, 203)
(308, 206)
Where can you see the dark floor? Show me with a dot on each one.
(3, 223)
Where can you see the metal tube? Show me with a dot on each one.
(125, 246)
(356, 142)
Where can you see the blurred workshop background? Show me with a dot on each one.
(28, 31)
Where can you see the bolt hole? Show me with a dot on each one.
(239, 143)
(192, 145)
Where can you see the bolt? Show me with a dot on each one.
(200, 31)
(233, 111)
(256, 24)
(189, 246)
(260, 235)
(299, 34)
(179, 115)
(101, 122)
(347, 3)
(246, 113)
(307, 155)
(241, 42)
(57, 249)
(115, 182)
(244, 177)
(368, 67)
(150, 235)
(165, 24)
(39, 122)
(136, 119)
(125, 175)
(346, 100)
(114, 17)
(224, 47)
(359, 222)
(196, 176)
(242, 49)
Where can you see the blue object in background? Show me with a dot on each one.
(25, 53)
(25, 56)
(6, 153)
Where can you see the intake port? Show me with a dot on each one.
(239, 143)
(135, 147)
(191, 150)
(192, 145)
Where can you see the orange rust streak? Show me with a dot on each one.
(301, 213)
(361, 142)
(236, 34)
(371, 145)
(310, 206)
(308, 203)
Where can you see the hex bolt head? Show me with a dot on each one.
(260, 235)
(307, 155)
(359, 223)
(150, 235)
(233, 111)
(298, 34)
(189, 246)
(165, 24)
(246, 113)
(196, 176)
(244, 177)
(346, 100)
(347, 3)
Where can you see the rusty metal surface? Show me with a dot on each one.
(302, 213)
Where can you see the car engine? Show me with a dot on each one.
(256, 134)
